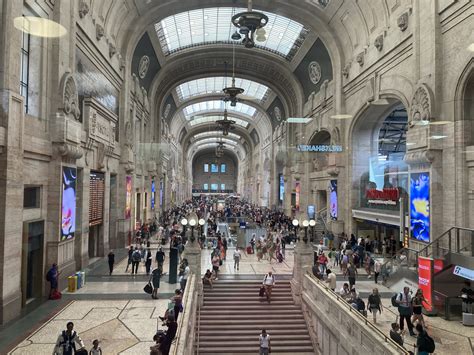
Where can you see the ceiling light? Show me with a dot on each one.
(439, 123)
(40, 27)
(298, 120)
(341, 117)
(248, 22)
(380, 102)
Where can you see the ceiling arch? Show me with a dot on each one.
(206, 151)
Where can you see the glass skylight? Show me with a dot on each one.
(212, 119)
(214, 134)
(213, 25)
(217, 105)
(217, 140)
(214, 85)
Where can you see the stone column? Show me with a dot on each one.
(303, 261)
(192, 252)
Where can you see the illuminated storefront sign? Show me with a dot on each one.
(311, 211)
(281, 192)
(420, 206)
(68, 211)
(425, 280)
(333, 199)
(464, 272)
(327, 148)
(383, 197)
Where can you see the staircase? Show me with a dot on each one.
(233, 317)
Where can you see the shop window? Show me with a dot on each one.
(31, 197)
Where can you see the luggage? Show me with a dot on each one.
(249, 250)
(262, 291)
(148, 288)
(81, 352)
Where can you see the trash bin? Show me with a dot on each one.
(79, 280)
(71, 283)
(83, 279)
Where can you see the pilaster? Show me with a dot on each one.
(303, 261)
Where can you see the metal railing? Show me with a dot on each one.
(369, 326)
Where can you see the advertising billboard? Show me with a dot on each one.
(68, 201)
(420, 206)
(128, 199)
(425, 280)
(333, 200)
(297, 195)
(153, 189)
(281, 191)
(311, 211)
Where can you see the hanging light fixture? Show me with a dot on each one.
(231, 92)
(249, 24)
(226, 125)
(220, 149)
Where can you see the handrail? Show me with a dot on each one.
(358, 314)
(425, 250)
(198, 322)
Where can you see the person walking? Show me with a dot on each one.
(184, 277)
(111, 260)
(67, 340)
(160, 258)
(405, 309)
(417, 306)
(377, 269)
(331, 280)
(136, 258)
(216, 264)
(129, 261)
(323, 261)
(96, 350)
(351, 272)
(148, 261)
(53, 277)
(237, 256)
(374, 304)
(155, 282)
(268, 283)
(264, 340)
(424, 342)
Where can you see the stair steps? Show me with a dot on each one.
(233, 316)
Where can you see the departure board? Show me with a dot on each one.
(96, 198)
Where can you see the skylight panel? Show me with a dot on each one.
(215, 133)
(217, 105)
(213, 119)
(216, 140)
(213, 25)
(214, 85)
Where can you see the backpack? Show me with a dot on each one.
(372, 262)
(48, 276)
(360, 304)
(394, 300)
(429, 343)
(71, 342)
(136, 256)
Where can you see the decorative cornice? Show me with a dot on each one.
(420, 157)
(70, 96)
(70, 151)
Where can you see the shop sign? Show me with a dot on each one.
(464, 272)
(425, 280)
(326, 148)
(383, 197)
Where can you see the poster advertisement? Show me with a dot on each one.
(161, 193)
(152, 202)
(311, 211)
(281, 193)
(297, 195)
(425, 279)
(333, 199)
(420, 206)
(128, 199)
(68, 211)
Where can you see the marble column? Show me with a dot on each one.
(303, 261)
(192, 252)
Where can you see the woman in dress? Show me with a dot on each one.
(417, 305)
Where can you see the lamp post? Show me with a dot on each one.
(312, 223)
(296, 223)
(184, 223)
(201, 222)
(193, 221)
(305, 225)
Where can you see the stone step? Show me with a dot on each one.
(258, 303)
(239, 338)
(242, 315)
(261, 322)
(261, 306)
(257, 313)
(248, 326)
(251, 342)
(275, 332)
(254, 350)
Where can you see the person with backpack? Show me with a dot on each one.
(136, 258)
(424, 342)
(67, 340)
(268, 283)
(129, 261)
(351, 272)
(52, 276)
(374, 304)
(403, 300)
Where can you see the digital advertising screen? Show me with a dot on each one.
(68, 211)
(161, 193)
(420, 206)
(128, 199)
(281, 192)
(153, 189)
(425, 279)
(333, 199)
(311, 211)
(297, 195)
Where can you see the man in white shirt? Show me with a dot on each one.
(268, 283)
(184, 278)
(405, 309)
(377, 269)
(237, 256)
(264, 343)
(331, 279)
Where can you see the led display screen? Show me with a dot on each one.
(206, 187)
(281, 192)
(206, 168)
(311, 211)
(425, 280)
(153, 194)
(297, 195)
(222, 187)
(333, 199)
(420, 206)
(128, 197)
(161, 193)
(68, 212)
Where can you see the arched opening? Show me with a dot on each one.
(213, 174)
(379, 172)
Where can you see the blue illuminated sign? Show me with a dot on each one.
(319, 148)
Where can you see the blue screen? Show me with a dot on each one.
(152, 194)
(420, 206)
(281, 192)
(333, 199)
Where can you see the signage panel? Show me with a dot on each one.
(464, 272)
(425, 280)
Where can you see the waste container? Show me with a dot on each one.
(79, 280)
(71, 283)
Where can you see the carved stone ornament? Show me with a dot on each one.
(402, 21)
(378, 43)
(99, 31)
(83, 9)
(122, 62)
(128, 134)
(421, 105)
(314, 72)
(420, 157)
(143, 66)
(112, 50)
(100, 155)
(70, 96)
(167, 111)
(360, 58)
(277, 113)
(70, 151)
(346, 70)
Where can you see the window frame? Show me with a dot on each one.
(25, 53)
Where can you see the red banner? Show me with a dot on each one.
(425, 280)
(438, 265)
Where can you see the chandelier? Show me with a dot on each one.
(220, 150)
(226, 125)
(249, 24)
(231, 92)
